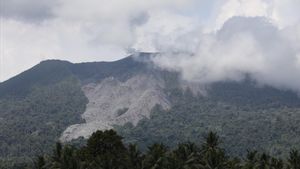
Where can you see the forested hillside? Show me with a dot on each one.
(39, 104)
(246, 117)
(31, 125)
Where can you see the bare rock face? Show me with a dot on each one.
(112, 102)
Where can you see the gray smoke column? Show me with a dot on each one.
(244, 45)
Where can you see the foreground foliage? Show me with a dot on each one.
(39, 104)
(105, 150)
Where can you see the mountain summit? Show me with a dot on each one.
(58, 100)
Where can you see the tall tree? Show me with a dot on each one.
(294, 160)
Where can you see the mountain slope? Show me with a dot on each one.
(43, 74)
(59, 99)
(40, 103)
(245, 116)
(114, 102)
(33, 122)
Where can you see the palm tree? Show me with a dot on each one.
(57, 153)
(276, 163)
(134, 157)
(64, 158)
(211, 141)
(39, 163)
(155, 157)
(263, 162)
(185, 156)
(294, 160)
(213, 157)
(251, 160)
(105, 142)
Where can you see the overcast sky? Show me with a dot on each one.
(214, 39)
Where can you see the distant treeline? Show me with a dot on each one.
(106, 150)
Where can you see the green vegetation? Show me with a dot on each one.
(40, 103)
(246, 117)
(105, 150)
(37, 106)
(31, 125)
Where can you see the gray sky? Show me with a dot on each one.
(96, 30)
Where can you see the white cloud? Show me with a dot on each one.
(231, 8)
(77, 31)
(282, 12)
(286, 12)
(27, 10)
(95, 30)
(25, 45)
(243, 46)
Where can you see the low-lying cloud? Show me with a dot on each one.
(74, 30)
(250, 46)
(206, 40)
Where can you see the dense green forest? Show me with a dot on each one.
(245, 116)
(32, 124)
(39, 104)
(105, 150)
